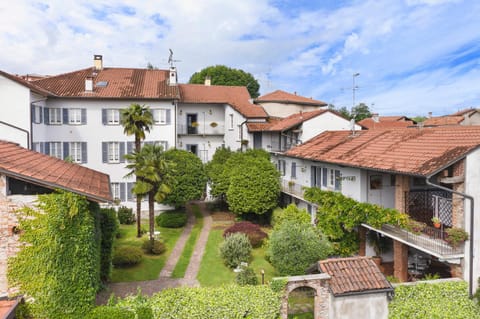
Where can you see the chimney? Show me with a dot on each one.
(172, 79)
(429, 115)
(208, 80)
(97, 62)
(89, 84)
(375, 117)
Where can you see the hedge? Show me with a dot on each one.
(109, 228)
(172, 219)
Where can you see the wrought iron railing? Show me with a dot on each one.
(200, 129)
(292, 188)
(422, 205)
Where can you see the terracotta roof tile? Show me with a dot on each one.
(53, 173)
(7, 308)
(294, 120)
(27, 84)
(403, 150)
(444, 120)
(236, 96)
(353, 275)
(120, 83)
(283, 97)
(387, 122)
(463, 112)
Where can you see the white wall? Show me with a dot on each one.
(232, 135)
(366, 306)
(324, 122)
(472, 182)
(15, 110)
(284, 110)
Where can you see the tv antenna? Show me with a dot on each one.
(171, 61)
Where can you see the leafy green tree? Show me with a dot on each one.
(223, 75)
(136, 120)
(188, 177)
(293, 247)
(253, 184)
(214, 170)
(419, 118)
(152, 170)
(290, 213)
(360, 112)
(59, 266)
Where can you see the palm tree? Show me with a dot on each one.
(153, 178)
(136, 120)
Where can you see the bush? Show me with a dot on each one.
(108, 312)
(109, 228)
(290, 213)
(235, 249)
(294, 247)
(246, 277)
(125, 256)
(254, 233)
(125, 215)
(157, 248)
(172, 219)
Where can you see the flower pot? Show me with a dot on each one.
(437, 225)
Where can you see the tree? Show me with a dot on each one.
(223, 75)
(136, 120)
(215, 169)
(360, 112)
(188, 178)
(253, 185)
(293, 247)
(153, 179)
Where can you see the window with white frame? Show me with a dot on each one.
(115, 190)
(113, 152)
(54, 116)
(56, 149)
(36, 114)
(75, 151)
(281, 167)
(112, 116)
(230, 125)
(160, 116)
(334, 180)
(74, 116)
(293, 170)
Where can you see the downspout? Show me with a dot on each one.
(241, 135)
(20, 129)
(470, 270)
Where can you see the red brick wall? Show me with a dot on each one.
(400, 261)
(402, 185)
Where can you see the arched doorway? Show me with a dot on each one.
(301, 303)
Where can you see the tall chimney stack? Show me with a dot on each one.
(98, 62)
(208, 80)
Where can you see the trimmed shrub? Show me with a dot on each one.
(125, 256)
(125, 215)
(109, 228)
(108, 312)
(157, 248)
(290, 213)
(246, 277)
(235, 249)
(254, 233)
(172, 219)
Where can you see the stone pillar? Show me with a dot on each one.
(400, 261)
(362, 234)
(458, 202)
(456, 271)
(402, 185)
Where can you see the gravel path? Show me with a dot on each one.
(164, 281)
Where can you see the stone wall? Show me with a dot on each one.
(458, 207)
(402, 185)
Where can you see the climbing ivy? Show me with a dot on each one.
(338, 217)
(60, 262)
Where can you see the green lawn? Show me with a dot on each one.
(182, 264)
(151, 265)
(214, 273)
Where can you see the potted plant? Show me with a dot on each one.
(436, 222)
(416, 227)
(380, 245)
(456, 236)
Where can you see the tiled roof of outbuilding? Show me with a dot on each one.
(283, 97)
(121, 83)
(51, 172)
(415, 151)
(354, 275)
(236, 96)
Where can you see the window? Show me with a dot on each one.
(293, 172)
(230, 127)
(111, 116)
(316, 176)
(55, 149)
(113, 152)
(38, 147)
(281, 167)
(192, 148)
(115, 190)
(75, 152)
(54, 116)
(36, 114)
(163, 144)
(74, 116)
(376, 181)
(161, 116)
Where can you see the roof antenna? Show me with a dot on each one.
(171, 61)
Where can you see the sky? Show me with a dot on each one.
(412, 56)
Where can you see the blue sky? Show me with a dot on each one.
(413, 56)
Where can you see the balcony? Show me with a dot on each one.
(292, 188)
(422, 205)
(201, 129)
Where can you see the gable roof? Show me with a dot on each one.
(354, 275)
(410, 151)
(121, 83)
(468, 112)
(444, 120)
(51, 172)
(283, 97)
(235, 96)
(386, 122)
(25, 83)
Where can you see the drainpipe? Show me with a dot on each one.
(470, 270)
(241, 134)
(20, 129)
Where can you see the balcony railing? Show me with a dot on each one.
(292, 188)
(201, 129)
(424, 204)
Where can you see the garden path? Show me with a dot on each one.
(122, 289)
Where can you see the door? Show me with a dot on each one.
(192, 124)
(381, 189)
(192, 148)
(257, 140)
